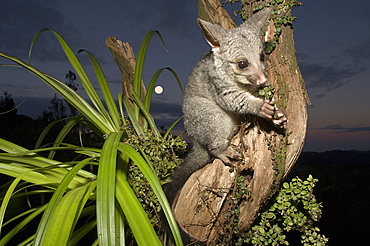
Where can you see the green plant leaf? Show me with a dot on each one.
(171, 127)
(63, 133)
(29, 174)
(147, 115)
(84, 79)
(134, 121)
(66, 214)
(134, 212)
(21, 225)
(37, 170)
(6, 199)
(105, 200)
(72, 186)
(106, 92)
(69, 95)
(12, 148)
(81, 232)
(140, 65)
(156, 186)
(43, 227)
(153, 81)
(45, 131)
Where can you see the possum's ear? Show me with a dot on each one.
(259, 19)
(212, 33)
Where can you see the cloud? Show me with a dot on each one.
(341, 129)
(359, 55)
(334, 57)
(166, 113)
(164, 117)
(335, 71)
(162, 107)
(319, 96)
(21, 20)
(325, 76)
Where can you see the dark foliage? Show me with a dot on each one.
(344, 190)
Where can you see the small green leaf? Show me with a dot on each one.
(270, 215)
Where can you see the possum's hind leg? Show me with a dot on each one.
(218, 129)
(231, 153)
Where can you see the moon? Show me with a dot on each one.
(158, 89)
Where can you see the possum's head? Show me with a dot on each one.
(239, 52)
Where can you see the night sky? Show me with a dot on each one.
(332, 41)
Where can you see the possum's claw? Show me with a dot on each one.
(231, 152)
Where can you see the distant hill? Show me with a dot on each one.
(335, 157)
(343, 189)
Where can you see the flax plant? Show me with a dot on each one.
(77, 199)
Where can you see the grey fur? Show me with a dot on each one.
(220, 91)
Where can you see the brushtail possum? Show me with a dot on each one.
(223, 87)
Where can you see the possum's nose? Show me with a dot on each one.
(262, 80)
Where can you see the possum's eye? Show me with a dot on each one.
(243, 64)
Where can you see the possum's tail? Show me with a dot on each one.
(196, 159)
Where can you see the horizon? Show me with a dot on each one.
(310, 145)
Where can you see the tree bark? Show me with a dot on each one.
(126, 61)
(210, 202)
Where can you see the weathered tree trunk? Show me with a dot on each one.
(126, 61)
(216, 199)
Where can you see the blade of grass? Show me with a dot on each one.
(81, 232)
(93, 95)
(68, 94)
(37, 170)
(95, 129)
(153, 81)
(72, 97)
(123, 165)
(45, 131)
(24, 156)
(28, 241)
(156, 186)
(141, 57)
(134, 121)
(29, 159)
(29, 175)
(140, 65)
(120, 105)
(120, 225)
(6, 199)
(12, 148)
(63, 133)
(105, 197)
(147, 115)
(21, 225)
(138, 220)
(66, 214)
(106, 92)
(171, 127)
(33, 192)
(55, 199)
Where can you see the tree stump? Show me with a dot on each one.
(211, 200)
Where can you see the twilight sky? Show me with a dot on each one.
(332, 41)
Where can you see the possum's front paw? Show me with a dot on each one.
(267, 110)
(231, 153)
(270, 112)
(279, 118)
